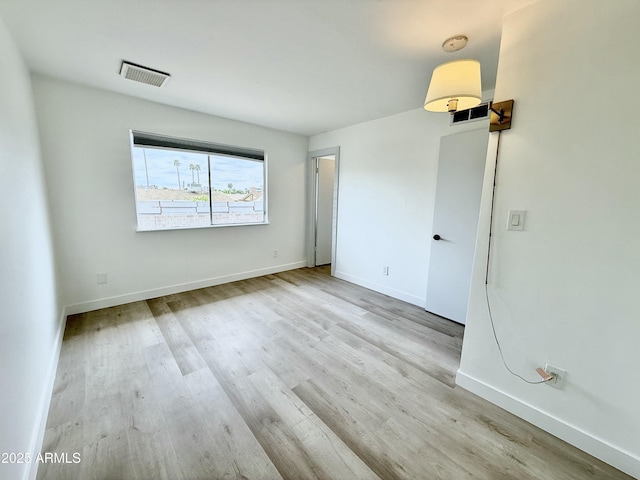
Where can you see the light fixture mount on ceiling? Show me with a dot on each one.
(455, 43)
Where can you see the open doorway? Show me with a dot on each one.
(323, 180)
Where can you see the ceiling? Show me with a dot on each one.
(304, 66)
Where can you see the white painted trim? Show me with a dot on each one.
(311, 228)
(182, 287)
(376, 287)
(617, 457)
(45, 401)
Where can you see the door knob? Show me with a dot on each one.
(437, 237)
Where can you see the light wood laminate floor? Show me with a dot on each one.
(297, 376)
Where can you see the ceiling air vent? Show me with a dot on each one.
(471, 114)
(141, 74)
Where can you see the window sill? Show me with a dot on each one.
(199, 227)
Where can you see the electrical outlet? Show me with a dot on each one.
(275, 253)
(559, 376)
(101, 278)
(385, 270)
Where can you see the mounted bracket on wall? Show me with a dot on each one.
(501, 113)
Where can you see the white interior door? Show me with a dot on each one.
(459, 187)
(324, 208)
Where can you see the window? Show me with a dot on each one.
(182, 183)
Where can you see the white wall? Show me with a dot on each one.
(30, 316)
(566, 289)
(85, 142)
(388, 170)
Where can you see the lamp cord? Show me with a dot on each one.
(486, 276)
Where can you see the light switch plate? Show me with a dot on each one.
(515, 220)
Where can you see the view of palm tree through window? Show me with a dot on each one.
(183, 189)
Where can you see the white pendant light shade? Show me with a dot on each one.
(457, 80)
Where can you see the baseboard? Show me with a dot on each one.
(41, 423)
(183, 287)
(616, 457)
(376, 287)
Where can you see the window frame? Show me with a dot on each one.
(141, 139)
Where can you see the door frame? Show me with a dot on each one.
(311, 201)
